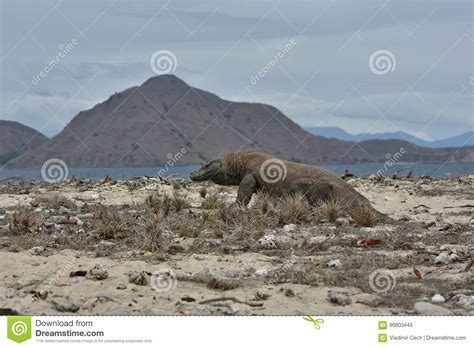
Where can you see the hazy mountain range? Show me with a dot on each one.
(16, 138)
(465, 139)
(147, 125)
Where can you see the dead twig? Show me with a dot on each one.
(231, 298)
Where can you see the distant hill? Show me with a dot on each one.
(149, 124)
(465, 139)
(16, 138)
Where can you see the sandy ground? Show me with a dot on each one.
(418, 265)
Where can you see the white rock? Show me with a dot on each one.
(262, 272)
(63, 210)
(443, 258)
(437, 299)
(268, 241)
(289, 228)
(334, 263)
(401, 216)
(446, 257)
(419, 246)
(36, 250)
(425, 308)
(463, 301)
(453, 257)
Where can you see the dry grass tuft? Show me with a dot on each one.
(293, 209)
(263, 203)
(330, 210)
(53, 201)
(22, 221)
(151, 238)
(212, 201)
(363, 216)
(108, 222)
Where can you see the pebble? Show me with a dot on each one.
(98, 272)
(261, 272)
(232, 273)
(65, 305)
(268, 241)
(446, 257)
(464, 301)
(289, 228)
(437, 299)
(63, 210)
(339, 298)
(401, 216)
(419, 246)
(426, 308)
(138, 278)
(36, 250)
(334, 263)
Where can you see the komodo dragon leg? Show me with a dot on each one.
(247, 187)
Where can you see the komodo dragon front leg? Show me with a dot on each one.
(247, 187)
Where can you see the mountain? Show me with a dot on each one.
(166, 120)
(16, 138)
(465, 139)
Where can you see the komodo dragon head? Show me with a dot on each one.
(218, 171)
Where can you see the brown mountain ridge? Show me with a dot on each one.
(148, 124)
(16, 138)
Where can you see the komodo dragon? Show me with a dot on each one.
(257, 171)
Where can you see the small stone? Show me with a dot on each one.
(268, 241)
(232, 273)
(63, 210)
(437, 299)
(419, 246)
(36, 250)
(138, 278)
(121, 287)
(370, 300)
(65, 305)
(289, 228)
(339, 298)
(98, 272)
(426, 308)
(464, 301)
(446, 257)
(262, 272)
(334, 263)
(401, 216)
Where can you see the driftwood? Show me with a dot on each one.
(460, 206)
(231, 298)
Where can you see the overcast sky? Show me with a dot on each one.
(322, 76)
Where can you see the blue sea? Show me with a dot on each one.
(360, 170)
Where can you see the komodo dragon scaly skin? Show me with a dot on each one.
(257, 171)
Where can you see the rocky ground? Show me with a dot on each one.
(149, 246)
